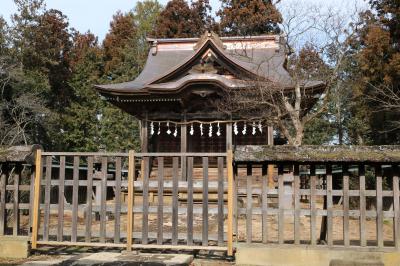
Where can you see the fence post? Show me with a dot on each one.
(2, 203)
(229, 165)
(35, 222)
(131, 176)
(396, 206)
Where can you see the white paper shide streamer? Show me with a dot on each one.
(191, 132)
(235, 128)
(255, 126)
(152, 128)
(176, 131)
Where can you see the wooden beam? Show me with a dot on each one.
(264, 201)
(118, 177)
(205, 198)
(89, 193)
(143, 141)
(297, 204)
(229, 165)
(249, 203)
(363, 206)
(3, 184)
(220, 201)
(270, 142)
(144, 134)
(379, 205)
(16, 223)
(346, 205)
(313, 205)
(228, 136)
(145, 200)
(160, 199)
(35, 223)
(270, 136)
(141, 246)
(174, 239)
(131, 176)
(46, 219)
(189, 116)
(396, 206)
(103, 199)
(281, 198)
(184, 147)
(190, 202)
(329, 204)
(75, 203)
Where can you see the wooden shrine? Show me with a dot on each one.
(174, 96)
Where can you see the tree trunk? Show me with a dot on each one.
(298, 139)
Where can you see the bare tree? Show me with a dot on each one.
(386, 98)
(19, 109)
(317, 71)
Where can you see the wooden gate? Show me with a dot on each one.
(134, 200)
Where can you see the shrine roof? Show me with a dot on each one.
(259, 57)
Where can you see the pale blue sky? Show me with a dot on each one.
(95, 15)
(84, 15)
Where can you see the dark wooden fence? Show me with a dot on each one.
(16, 175)
(135, 200)
(320, 200)
(15, 198)
(319, 197)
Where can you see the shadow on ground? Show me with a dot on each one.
(94, 256)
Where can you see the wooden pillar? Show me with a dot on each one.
(270, 135)
(131, 178)
(36, 199)
(229, 162)
(144, 140)
(184, 146)
(270, 141)
(229, 136)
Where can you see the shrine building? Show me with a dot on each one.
(174, 96)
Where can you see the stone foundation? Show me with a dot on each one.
(259, 254)
(14, 247)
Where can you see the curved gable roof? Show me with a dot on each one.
(194, 57)
(260, 57)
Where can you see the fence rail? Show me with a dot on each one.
(15, 198)
(357, 208)
(204, 200)
(133, 200)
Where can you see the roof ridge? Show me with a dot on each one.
(209, 36)
(275, 37)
